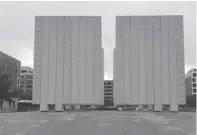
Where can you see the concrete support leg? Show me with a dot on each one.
(158, 108)
(150, 108)
(173, 108)
(43, 108)
(59, 108)
(140, 107)
(67, 107)
(77, 107)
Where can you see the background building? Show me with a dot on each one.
(26, 79)
(68, 61)
(12, 66)
(190, 82)
(149, 61)
(108, 93)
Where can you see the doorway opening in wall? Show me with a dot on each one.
(51, 107)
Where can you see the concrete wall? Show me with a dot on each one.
(68, 61)
(149, 61)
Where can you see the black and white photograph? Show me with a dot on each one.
(98, 68)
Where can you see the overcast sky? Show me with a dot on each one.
(17, 24)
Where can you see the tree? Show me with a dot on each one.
(5, 84)
(26, 95)
(14, 93)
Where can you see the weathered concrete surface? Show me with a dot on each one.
(149, 61)
(97, 123)
(68, 61)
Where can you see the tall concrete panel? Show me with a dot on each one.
(52, 57)
(155, 53)
(157, 62)
(114, 68)
(149, 61)
(180, 56)
(75, 60)
(126, 61)
(142, 60)
(117, 68)
(165, 60)
(173, 65)
(97, 57)
(60, 64)
(102, 78)
(69, 61)
(37, 60)
(45, 61)
(134, 60)
(82, 60)
(90, 74)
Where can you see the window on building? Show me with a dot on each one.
(109, 83)
(28, 81)
(29, 86)
(194, 90)
(29, 77)
(194, 74)
(24, 71)
(194, 79)
(22, 77)
(194, 85)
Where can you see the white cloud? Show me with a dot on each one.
(17, 24)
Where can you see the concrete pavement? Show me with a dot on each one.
(97, 123)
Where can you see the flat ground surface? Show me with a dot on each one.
(98, 123)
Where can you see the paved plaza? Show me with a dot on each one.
(98, 123)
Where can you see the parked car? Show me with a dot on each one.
(119, 109)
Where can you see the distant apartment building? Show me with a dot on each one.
(26, 78)
(190, 82)
(108, 92)
(12, 66)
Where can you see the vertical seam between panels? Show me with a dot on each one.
(169, 63)
(138, 62)
(78, 36)
(48, 58)
(153, 59)
(177, 60)
(70, 60)
(41, 58)
(123, 69)
(130, 61)
(161, 60)
(86, 62)
(63, 59)
(34, 66)
(145, 63)
(93, 54)
(55, 18)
